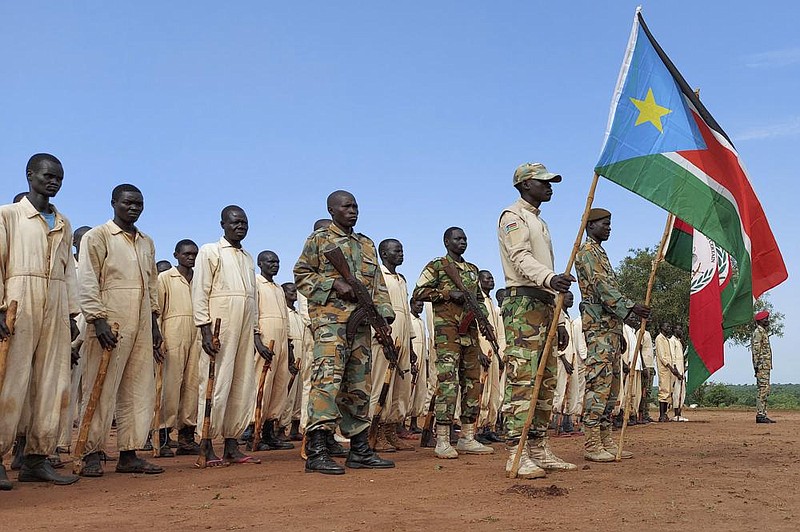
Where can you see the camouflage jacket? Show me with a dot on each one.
(314, 275)
(435, 285)
(604, 305)
(762, 352)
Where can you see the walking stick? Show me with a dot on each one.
(205, 435)
(640, 334)
(157, 410)
(5, 345)
(262, 379)
(91, 404)
(551, 333)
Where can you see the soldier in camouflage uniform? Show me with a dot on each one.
(458, 353)
(340, 373)
(762, 364)
(526, 253)
(603, 311)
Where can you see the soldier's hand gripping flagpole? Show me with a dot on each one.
(640, 334)
(551, 333)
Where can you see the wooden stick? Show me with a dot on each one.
(551, 332)
(640, 335)
(260, 399)
(205, 435)
(5, 345)
(91, 404)
(157, 410)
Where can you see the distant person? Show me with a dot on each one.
(163, 265)
(679, 363)
(762, 364)
(665, 374)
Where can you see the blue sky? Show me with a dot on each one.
(421, 109)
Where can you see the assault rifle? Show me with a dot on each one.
(473, 312)
(366, 310)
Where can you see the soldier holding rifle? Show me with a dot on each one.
(340, 392)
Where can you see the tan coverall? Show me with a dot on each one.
(579, 341)
(399, 397)
(181, 381)
(224, 287)
(421, 398)
(71, 413)
(566, 396)
(678, 386)
(117, 276)
(303, 346)
(492, 398)
(665, 376)
(305, 369)
(37, 270)
(273, 322)
(634, 378)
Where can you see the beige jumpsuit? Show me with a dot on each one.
(305, 369)
(224, 287)
(663, 362)
(678, 385)
(567, 396)
(37, 270)
(421, 397)
(181, 351)
(273, 322)
(117, 276)
(303, 346)
(492, 398)
(399, 397)
(71, 413)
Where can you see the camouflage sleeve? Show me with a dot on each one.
(307, 276)
(601, 277)
(427, 288)
(756, 346)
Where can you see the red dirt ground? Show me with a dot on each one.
(720, 471)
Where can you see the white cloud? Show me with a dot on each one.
(773, 59)
(781, 129)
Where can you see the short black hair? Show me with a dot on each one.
(484, 272)
(265, 253)
(336, 194)
(229, 209)
(184, 242)
(322, 222)
(450, 230)
(125, 187)
(19, 197)
(385, 243)
(36, 159)
(287, 284)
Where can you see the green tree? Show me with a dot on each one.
(741, 335)
(670, 298)
(719, 395)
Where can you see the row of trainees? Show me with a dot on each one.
(118, 285)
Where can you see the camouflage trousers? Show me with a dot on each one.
(526, 321)
(458, 369)
(647, 390)
(762, 382)
(602, 377)
(340, 381)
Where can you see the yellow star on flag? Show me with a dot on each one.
(650, 111)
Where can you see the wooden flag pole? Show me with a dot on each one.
(640, 335)
(546, 352)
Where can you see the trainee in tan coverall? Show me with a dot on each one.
(305, 369)
(117, 276)
(678, 386)
(664, 362)
(421, 398)
(223, 287)
(579, 341)
(71, 413)
(181, 351)
(399, 397)
(273, 322)
(567, 398)
(37, 270)
(492, 398)
(634, 377)
(303, 347)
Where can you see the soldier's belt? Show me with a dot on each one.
(530, 291)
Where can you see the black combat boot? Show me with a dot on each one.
(319, 461)
(335, 448)
(163, 438)
(362, 457)
(268, 436)
(36, 468)
(662, 412)
(18, 453)
(294, 431)
(247, 435)
(632, 420)
(5, 484)
(762, 418)
(186, 443)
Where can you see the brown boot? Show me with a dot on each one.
(382, 445)
(391, 436)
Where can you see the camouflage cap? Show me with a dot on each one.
(534, 171)
(598, 214)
